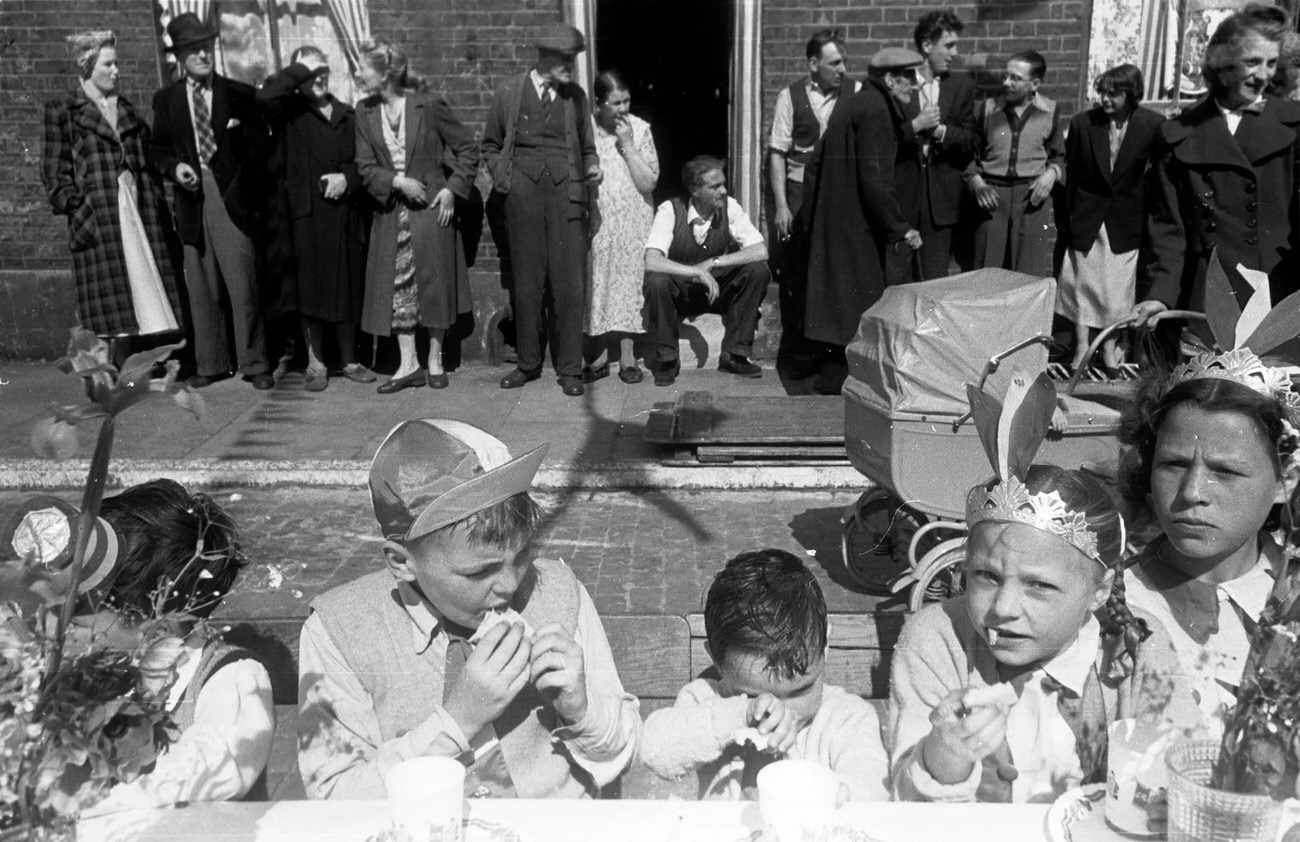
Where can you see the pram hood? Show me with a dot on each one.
(920, 344)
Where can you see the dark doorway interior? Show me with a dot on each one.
(676, 57)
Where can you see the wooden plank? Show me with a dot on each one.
(803, 453)
(659, 426)
(651, 651)
(694, 417)
(861, 650)
(878, 630)
(801, 418)
(864, 672)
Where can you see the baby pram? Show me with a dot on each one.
(906, 426)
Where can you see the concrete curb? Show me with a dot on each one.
(40, 474)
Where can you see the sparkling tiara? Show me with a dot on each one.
(1245, 367)
(1010, 501)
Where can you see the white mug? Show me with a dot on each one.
(1136, 771)
(426, 798)
(796, 797)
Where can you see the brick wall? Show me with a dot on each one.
(465, 47)
(35, 66)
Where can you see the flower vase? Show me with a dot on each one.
(1198, 813)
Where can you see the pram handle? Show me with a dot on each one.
(1190, 315)
(991, 367)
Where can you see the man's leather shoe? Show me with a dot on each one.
(414, 380)
(572, 386)
(667, 372)
(263, 381)
(518, 378)
(735, 364)
(200, 381)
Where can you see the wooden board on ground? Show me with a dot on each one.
(798, 428)
(861, 648)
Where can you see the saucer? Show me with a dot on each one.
(1079, 815)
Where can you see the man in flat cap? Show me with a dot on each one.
(209, 138)
(860, 192)
(541, 154)
(463, 644)
(1020, 157)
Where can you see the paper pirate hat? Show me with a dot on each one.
(432, 472)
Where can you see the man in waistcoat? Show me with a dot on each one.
(799, 119)
(1020, 157)
(861, 235)
(211, 141)
(942, 129)
(463, 645)
(704, 255)
(541, 153)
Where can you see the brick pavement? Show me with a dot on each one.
(636, 551)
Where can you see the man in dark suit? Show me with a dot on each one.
(541, 153)
(942, 127)
(210, 140)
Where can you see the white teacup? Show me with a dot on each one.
(796, 797)
(1136, 771)
(426, 798)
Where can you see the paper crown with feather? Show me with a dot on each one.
(1011, 430)
(1245, 335)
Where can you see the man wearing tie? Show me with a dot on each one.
(942, 126)
(209, 139)
(541, 152)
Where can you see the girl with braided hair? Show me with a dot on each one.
(1044, 623)
(1210, 461)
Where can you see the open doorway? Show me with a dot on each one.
(676, 57)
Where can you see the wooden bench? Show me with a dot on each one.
(656, 655)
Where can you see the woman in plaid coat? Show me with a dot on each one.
(94, 170)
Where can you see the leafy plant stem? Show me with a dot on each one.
(90, 501)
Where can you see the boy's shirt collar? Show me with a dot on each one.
(1071, 666)
(425, 624)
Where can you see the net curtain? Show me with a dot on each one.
(350, 17)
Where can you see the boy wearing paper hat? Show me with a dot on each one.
(391, 666)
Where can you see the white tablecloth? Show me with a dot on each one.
(560, 821)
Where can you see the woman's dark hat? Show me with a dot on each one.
(186, 30)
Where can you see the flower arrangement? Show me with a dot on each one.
(78, 712)
(1260, 752)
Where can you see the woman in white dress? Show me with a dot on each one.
(624, 211)
(1107, 154)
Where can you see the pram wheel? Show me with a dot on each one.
(878, 529)
(940, 574)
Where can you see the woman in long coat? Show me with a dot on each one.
(94, 171)
(323, 188)
(1225, 173)
(415, 158)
